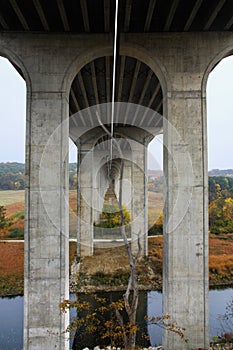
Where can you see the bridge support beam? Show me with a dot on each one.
(47, 232)
(139, 224)
(185, 263)
(86, 235)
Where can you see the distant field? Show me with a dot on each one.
(11, 197)
(155, 207)
(13, 201)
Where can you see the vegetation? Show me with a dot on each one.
(220, 205)
(11, 268)
(12, 176)
(157, 227)
(110, 217)
(221, 216)
(220, 187)
(99, 316)
(155, 184)
(221, 259)
(3, 221)
(97, 271)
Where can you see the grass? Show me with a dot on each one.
(11, 197)
(12, 267)
(220, 259)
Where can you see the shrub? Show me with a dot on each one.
(17, 233)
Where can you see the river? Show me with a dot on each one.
(11, 317)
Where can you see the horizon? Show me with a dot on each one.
(74, 162)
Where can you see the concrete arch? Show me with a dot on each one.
(17, 62)
(80, 61)
(131, 50)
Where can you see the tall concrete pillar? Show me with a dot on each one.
(86, 202)
(47, 231)
(127, 186)
(139, 197)
(185, 263)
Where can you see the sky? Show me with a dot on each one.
(219, 118)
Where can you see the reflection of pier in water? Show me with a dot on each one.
(82, 339)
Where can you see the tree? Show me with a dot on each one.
(3, 221)
(110, 216)
(221, 215)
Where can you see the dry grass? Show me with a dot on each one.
(11, 258)
(114, 261)
(106, 260)
(10, 197)
(14, 208)
(11, 268)
(220, 258)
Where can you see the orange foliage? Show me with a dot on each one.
(11, 258)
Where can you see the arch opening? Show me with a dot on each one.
(13, 89)
(137, 86)
(219, 89)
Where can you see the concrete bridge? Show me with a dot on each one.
(166, 50)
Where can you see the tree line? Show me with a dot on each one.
(12, 176)
(221, 204)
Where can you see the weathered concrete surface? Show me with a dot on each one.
(46, 245)
(49, 63)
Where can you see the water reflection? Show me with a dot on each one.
(11, 318)
(154, 309)
(82, 340)
(11, 323)
(218, 302)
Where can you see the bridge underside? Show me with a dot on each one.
(64, 51)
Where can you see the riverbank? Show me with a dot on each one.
(108, 268)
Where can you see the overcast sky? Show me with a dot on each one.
(219, 108)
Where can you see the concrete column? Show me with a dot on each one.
(127, 185)
(47, 230)
(86, 186)
(185, 262)
(138, 200)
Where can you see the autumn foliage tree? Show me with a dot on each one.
(111, 216)
(221, 216)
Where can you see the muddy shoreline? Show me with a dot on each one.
(156, 285)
